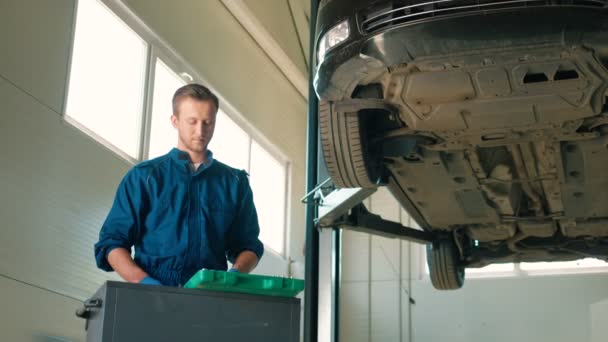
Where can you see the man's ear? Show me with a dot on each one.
(174, 120)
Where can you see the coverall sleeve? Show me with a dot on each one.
(245, 230)
(121, 227)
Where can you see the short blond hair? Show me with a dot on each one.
(196, 91)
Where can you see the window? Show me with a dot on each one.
(230, 143)
(539, 268)
(576, 265)
(586, 265)
(268, 177)
(492, 269)
(106, 85)
(122, 81)
(163, 136)
(268, 182)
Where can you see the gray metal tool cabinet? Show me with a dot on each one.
(123, 312)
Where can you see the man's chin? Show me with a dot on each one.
(198, 148)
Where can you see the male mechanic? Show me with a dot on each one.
(183, 211)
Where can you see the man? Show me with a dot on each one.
(183, 211)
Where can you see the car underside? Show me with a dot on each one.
(489, 125)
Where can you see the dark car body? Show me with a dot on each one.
(487, 120)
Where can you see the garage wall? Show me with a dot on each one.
(599, 321)
(37, 315)
(58, 184)
(535, 309)
(378, 275)
(376, 278)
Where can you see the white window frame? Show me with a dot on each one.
(286, 168)
(140, 30)
(180, 68)
(158, 48)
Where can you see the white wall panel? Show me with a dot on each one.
(599, 320)
(385, 311)
(377, 273)
(406, 327)
(33, 36)
(354, 311)
(413, 256)
(30, 314)
(385, 259)
(61, 187)
(544, 308)
(385, 251)
(355, 256)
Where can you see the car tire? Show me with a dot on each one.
(444, 266)
(350, 163)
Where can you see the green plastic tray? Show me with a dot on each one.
(245, 283)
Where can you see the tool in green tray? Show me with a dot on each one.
(245, 283)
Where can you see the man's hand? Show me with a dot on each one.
(245, 262)
(121, 261)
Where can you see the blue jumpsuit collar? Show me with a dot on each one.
(183, 158)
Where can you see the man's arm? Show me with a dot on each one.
(121, 261)
(245, 262)
(244, 246)
(120, 230)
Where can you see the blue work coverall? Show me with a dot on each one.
(180, 220)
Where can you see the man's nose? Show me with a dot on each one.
(199, 129)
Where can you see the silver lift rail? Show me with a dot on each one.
(344, 208)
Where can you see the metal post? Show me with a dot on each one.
(312, 235)
(326, 296)
(337, 256)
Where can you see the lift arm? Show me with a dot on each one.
(361, 220)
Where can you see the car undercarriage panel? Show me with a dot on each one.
(510, 146)
(499, 89)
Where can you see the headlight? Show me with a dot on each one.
(333, 37)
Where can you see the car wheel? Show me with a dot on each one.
(350, 163)
(442, 258)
